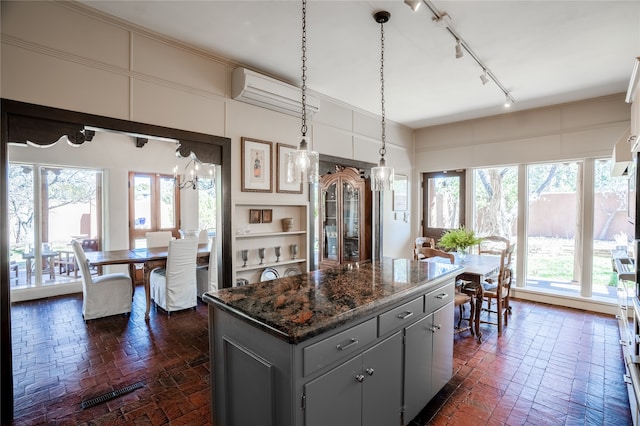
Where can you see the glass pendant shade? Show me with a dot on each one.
(382, 177)
(302, 164)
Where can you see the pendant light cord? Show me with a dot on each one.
(303, 128)
(383, 149)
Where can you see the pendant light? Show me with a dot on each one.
(303, 164)
(382, 176)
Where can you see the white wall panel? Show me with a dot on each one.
(330, 141)
(334, 115)
(32, 77)
(158, 59)
(57, 27)
(169, 107)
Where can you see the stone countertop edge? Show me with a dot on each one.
(304, 332)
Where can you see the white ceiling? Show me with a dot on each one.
(543, 52)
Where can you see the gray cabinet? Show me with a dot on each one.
(428, 363)
(366, 390)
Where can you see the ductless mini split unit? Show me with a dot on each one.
(257, 89)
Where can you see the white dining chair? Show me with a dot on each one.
(102, 295)
(208, 276)
(174, 287)
(158, 238)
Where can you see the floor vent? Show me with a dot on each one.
(110, 395)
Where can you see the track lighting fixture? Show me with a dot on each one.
(413, 4)
(458, 50)
(483, 78)
(443, 19)
(507, 101)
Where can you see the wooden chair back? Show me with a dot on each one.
(426, 252)
(493, 244)
(421, 242)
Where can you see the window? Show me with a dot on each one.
(443, 202)
(48, 207)
(207, 204)
(154, 203)
(552, 224)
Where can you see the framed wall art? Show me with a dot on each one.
(255, 216)
(400, 193)
(281, 179)
(267, 215)
(256, 165)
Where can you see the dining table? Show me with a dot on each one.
(150, 258)
(476, 269)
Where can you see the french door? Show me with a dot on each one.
(443, 197)
(154, 203)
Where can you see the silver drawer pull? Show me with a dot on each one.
(351, 343)
(360, 378)
(442, 296)
(405, 315)
(370, 371)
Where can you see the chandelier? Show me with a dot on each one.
(382, 176)
(192, 175)
(302, 164)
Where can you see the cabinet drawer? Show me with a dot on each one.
(400, 316)
(333, 348)
(438, 298)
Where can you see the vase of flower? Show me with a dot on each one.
(459, 240)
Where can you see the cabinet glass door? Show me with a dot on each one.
(351, 231)
(330, 222)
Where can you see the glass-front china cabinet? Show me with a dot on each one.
(346, 217)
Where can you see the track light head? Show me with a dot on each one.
(483, 78)
(507, 101)
(413, 4)
(458, 50)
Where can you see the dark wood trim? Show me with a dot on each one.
(17, 118)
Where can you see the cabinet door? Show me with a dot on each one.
(382, 385)
(335, 397)
(330, 225)
(442, 369)
(417, 366)
(350, 222)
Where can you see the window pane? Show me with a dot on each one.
(611, 228)
(551, 226)
(167, 203)
(142, 197)
(21, 217)
(496, 201)
(443, 197)
(207, 204)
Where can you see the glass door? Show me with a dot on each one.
(444, 202)
(350, 221)
(330, 224)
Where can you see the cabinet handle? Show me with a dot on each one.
(405, 315)
(442, 296)
(351, 343)
(370, 371)
(436, 327)
(360, 378)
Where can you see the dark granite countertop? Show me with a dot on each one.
(302, 306)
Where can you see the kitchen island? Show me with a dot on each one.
(363, 344)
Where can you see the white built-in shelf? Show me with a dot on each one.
(254, 266)
(269, 234)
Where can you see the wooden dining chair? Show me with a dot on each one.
(499, 289)
(102, 295)
(461, 297)
(493, 244)
(174, 287)
(421, 242)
